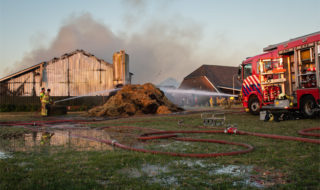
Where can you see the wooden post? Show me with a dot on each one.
(100, 71)
(41, 74)
(233, 84)
(68, 78)
(34, 83)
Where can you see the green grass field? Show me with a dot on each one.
(274, 164)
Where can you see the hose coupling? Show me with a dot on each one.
(231, 130)
(113, 142)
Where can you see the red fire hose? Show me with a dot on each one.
(290, 138)
(195, 155)
(173, 134)
(304, 132)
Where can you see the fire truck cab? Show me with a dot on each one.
(286, 76)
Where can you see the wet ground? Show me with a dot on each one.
(58, 135)
(62, 135)
(4, 155)
(164, 175)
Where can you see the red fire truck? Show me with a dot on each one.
(285, 77)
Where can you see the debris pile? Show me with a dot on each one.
(136, 99)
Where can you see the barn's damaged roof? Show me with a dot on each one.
(55, 59)
(21, 72)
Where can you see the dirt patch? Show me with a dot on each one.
(269, 178)
(136, 99)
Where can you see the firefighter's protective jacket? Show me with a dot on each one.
(41, 96)
(45, 99)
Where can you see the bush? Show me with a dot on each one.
(19, 108)
(7, 107)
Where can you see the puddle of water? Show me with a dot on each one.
(160, 174)
(248, 182)
(58, 137)
(168, 180)
(190, 163)
(233, 170)
(153, 170)
(238, 171)
(4, 155)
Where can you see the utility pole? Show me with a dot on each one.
(233, 84)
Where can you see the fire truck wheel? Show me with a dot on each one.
(254, 105)
(307, 105)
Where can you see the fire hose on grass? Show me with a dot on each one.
(173, 135)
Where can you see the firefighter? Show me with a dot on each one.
(46, 101)
(211, 102)
(43, 91)
(43, 104)
(231, 101)
(45, 138)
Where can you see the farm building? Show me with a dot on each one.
(73, 74)
(213, 78)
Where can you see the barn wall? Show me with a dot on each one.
(27, 84)
(73, 74)
(77, 75)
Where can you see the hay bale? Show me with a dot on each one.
(136, 99)
(163, 110)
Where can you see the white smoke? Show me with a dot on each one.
(161, 50)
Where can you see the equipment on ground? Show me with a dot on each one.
(213, 119)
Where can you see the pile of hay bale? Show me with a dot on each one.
(136, 99)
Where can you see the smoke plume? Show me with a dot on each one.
(161, 49)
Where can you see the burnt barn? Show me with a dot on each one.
(213, 78)
(73, 74)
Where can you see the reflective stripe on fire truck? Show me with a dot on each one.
(255, 77)
(244, 90)
(257, 82)
(246, 87)
(253, 81)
